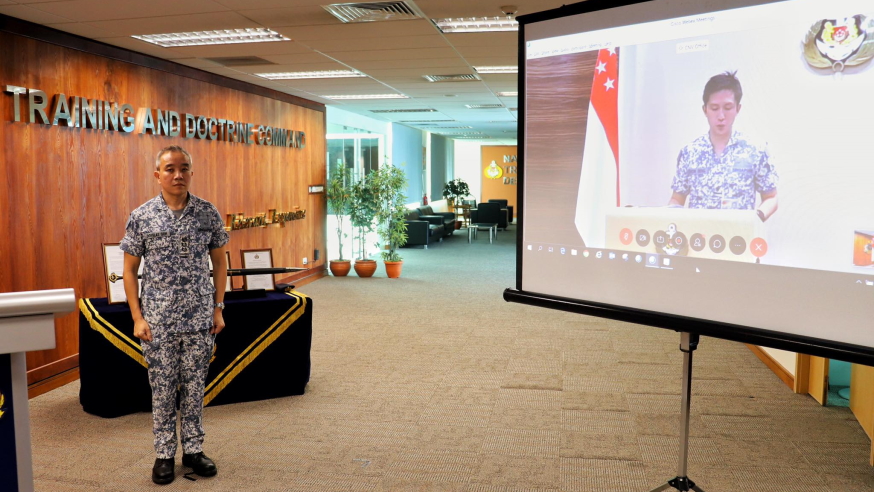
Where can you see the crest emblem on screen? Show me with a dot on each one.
(2, 402)
(839, 43)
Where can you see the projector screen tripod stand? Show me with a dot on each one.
(688, 344)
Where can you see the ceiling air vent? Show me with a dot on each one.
(403, 110)
(464, 77)
(484, 106)
(372, 11)
(240, 61)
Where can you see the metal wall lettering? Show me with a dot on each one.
(81, 112)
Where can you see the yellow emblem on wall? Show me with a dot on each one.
(493, 171)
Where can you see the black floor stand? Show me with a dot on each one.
(688, 343)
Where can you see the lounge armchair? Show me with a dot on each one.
(503, 203)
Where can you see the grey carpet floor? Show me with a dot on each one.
(432, 382)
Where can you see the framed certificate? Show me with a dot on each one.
(258, 258)
(113, 265)
(228, 286)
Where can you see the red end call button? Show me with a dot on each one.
(758, 247)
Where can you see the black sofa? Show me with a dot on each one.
(445, 218)
(422, 231)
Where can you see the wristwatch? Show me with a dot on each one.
(220, 305)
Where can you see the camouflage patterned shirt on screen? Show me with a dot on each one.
(729, 181)
(176, 292)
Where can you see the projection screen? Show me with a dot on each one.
(706, 166)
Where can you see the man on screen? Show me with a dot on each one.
(722, 169)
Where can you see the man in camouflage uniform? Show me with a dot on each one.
(722, 169)
(179, 312)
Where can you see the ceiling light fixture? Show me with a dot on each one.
(498, 69)
(367, 96)
(476, 24)
(508, 94)
(222, 36)
(321, 74)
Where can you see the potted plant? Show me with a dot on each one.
(455, 189)
(339, 201)
(388, 184)
(362, 211)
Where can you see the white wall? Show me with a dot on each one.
(782, 357)
(468, 163)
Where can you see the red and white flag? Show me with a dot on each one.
(599, 177)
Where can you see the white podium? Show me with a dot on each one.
(27, 322)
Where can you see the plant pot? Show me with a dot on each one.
(365, 268)
(340, 268)
(393, 268)
(458, 224)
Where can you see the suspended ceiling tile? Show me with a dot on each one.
(483, 39)
(33, 15)
(438, 9)
(98, 10)
(307, 67)
(163, 25)
(396, 54)
(491, 51)
(456, 62)
(361, 30)
(268, 4)
(243, 49)
(305, 58)
(334, 46)
(276, 18)
(493, 61)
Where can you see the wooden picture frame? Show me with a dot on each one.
(257, 258)
(113, 264)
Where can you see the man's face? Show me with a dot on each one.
(174, 174)
(721, 110)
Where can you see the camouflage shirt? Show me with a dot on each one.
(727, 181)
(176, 291)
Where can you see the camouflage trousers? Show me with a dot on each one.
(178, 361)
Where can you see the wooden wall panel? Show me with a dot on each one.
(68, 190)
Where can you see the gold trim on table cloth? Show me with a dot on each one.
(251, 352)
(111, 333)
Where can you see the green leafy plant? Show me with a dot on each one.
(362, 212)
(387, 184)
(457, 188)
(339, 196)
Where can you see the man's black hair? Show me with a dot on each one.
(726, 81)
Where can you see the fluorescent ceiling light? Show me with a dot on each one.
(498, 69)
(321, 74)
(367, 96)
(508, 94)
(476, 24)
(223, 36)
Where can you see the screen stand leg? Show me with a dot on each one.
(688, 343)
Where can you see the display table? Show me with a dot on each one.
(263, 352)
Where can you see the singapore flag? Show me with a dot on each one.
(599, 177)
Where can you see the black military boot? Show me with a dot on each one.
(200, 463)
(163, 471)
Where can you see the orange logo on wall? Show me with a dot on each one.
(493, 171)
